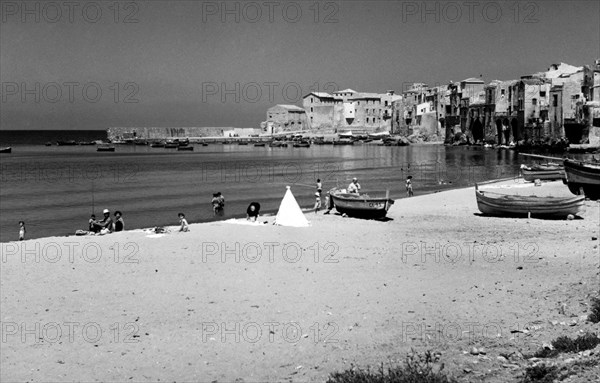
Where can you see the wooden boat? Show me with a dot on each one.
(171, 145)
(204, 144)
(86, 143)
(105, 148)
(66, 143)
(343, 141)
(140, 142)
(260, 144)
(48, 143)
(188, 148)
(499, 204)
(548, 171)
(360, 205)
(301, 144)
(6, 150)
(583, 175)
(185, 142)
(157, 145)
(242, 143)
(278, 144)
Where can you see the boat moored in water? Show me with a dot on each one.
(8, 149)
(105, 148)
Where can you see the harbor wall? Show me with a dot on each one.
(123, 133)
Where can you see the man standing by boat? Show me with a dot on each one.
(354, 186)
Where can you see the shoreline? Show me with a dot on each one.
(196, 306)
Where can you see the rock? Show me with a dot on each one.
(467, 370)
(570, 217)
(474, 351)
(547, 346)
(482, 351)
(502, 359)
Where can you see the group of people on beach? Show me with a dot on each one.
(106, 224)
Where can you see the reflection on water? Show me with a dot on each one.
(55, 189)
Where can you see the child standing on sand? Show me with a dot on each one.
(409, 189)
(317, 202)
(22, 230)
(184, 225)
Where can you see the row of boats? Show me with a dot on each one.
(581, 178)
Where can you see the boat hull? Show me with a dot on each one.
(584, 176)
(186, 148)
(6, 150)
(105, 149)
(360, 206)
(531, 174)
(512, 205)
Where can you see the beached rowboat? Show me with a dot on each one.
(583, 175)
(360, 205)
(519, 205)
(549, 171)
(6, 150)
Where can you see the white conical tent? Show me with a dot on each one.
(289, 213)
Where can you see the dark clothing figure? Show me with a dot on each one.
(253, 211)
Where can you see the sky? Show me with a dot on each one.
(98, 64)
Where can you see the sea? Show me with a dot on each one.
(54, 189)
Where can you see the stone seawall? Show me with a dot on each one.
(162, 133)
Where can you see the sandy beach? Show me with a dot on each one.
(231, 301)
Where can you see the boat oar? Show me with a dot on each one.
(539, 156)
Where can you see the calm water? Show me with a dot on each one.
(55, 189)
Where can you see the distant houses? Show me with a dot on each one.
(560, 103)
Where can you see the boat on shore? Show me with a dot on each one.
(360, 205)
(548, 171)
(186, 148)
(583, 175)
(502, 204)
(8, 149)
(105, 148)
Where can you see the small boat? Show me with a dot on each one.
(187, 148)
(260, 144)
(119, 142)
(583, 175)
(242, 143)
(499, 204)
(105, 148)
(66, 143)
(360, 205)
(548, 171)
(48, 143)
(204, 144)
(140, 142)
(301, 144)
(6, 150)
(278, 144)
(86, 143)
(171, 145)
(157, 145)
(343, 141)
(185, 142)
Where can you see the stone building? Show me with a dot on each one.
(285, 118)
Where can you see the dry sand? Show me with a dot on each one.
(437, 276)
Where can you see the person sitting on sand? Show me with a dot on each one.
(22, 230)
(119, 223)
(253, 211)
(354, 186)
(93, 227)
(218, 203)
(183, 222)
(106, 224)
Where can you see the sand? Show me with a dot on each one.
(206, 306)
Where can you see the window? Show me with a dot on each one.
(311, 100)
(386, 103)
(542, 93)
(502, 92)
(555, 100)
(534, 101)
(367, 120)
(311, 109)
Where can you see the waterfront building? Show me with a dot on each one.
(285, 118)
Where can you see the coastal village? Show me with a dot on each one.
(551, 108)
(557, 105)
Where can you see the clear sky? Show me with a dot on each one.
(74, 64)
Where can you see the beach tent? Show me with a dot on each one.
(289, 213)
